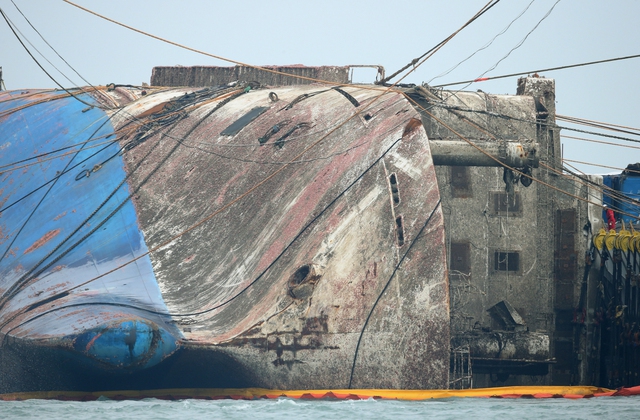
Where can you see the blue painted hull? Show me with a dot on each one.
(66, 218)
(629, 188)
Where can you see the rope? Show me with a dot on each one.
(16, 287)
(264, 68)
(507, 117)
(38, 63)
(30, 104)
(42, 159)
(596, 124)
(27, 277)
(519, 44)
(256, 186)
(487, 45)
(38, 51)
(158, 119)
(539, 181)
(228, 60)
(602, 189)
(528, 175)
(52, 182)
(364, 326)
(601, 166)
(277, 258)
(307, 226)
(600, 142)
(222, 208)
(539, 70)
(441, 44)
(67, 170)
(53, 49)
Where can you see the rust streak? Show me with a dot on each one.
(46, 238)
(153, 110)
(3, 234)
(92, 341)
(411, 126)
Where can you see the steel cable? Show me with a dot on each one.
(262, 273)
(384, 289)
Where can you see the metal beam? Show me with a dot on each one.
(461, 153)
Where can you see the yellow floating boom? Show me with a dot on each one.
(571, 392)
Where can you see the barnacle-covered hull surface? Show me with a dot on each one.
(224, 237)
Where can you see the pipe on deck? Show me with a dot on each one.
(461, 153)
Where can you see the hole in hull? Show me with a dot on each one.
(303, 281)
(300, 275)
(399, 231)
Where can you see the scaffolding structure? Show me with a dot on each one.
(461, 371)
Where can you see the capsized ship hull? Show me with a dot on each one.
(224, 237)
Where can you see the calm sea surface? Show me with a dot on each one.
(455, 408)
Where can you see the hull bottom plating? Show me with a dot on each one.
(27, 368)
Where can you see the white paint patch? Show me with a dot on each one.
(238, 275)
(406, 166)
(332, 239)
(532, 266)
(144, 104)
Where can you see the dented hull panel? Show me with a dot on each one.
(294, 234)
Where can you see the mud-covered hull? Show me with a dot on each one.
(281, 238)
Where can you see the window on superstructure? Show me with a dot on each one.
(460, 182)
(506, 261)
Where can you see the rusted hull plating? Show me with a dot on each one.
(291, 238)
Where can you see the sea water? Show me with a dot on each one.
(283, 408)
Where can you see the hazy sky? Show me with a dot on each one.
(342, 32)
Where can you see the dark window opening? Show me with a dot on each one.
(460, 258)
(399, 231)
(460, 182)
(506, 261)
(504, 203)
(393, 182)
